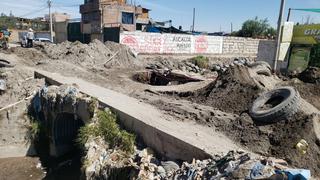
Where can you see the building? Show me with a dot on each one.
(106, 16)
(58, 17)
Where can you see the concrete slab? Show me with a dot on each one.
(170, 138)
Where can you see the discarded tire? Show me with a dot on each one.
(274, 105)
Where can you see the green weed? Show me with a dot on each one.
(201, 62)
(109, 130)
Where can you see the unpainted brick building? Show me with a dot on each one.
(99, 15)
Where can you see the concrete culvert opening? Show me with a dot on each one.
(65, 131)
(165, 78)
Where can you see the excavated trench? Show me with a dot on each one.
(156, 78)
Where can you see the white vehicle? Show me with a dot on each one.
(46, 40)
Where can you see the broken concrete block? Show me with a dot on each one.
(3, 85)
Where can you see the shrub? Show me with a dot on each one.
(201, 62)
(109, 130)
(34, 129)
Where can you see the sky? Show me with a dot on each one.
(211, 15)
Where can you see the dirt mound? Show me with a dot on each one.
(233, 92)
(124, 56)
(309, 92)
(279, 139)
(20, 84)
(93, 54)
(29, 54)
(310, 75)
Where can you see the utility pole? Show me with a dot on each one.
(50, 16)
(289, 14)
(280, 24)
(231, 27)
(194, 19)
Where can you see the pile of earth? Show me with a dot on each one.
(310, 75)
(20, 84)
(309, 92)
(94, 54)
(280, 139)
(234, 91)
(30, 55)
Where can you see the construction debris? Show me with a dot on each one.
(3, 86)
(286, 141)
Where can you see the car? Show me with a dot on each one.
(46, 40)
(24, 41)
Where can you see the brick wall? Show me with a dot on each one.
(239, 45)
(112, 16)
(188, 44)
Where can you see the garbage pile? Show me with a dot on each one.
(104, 163)
(234, 165)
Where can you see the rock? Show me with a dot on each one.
(217, 68)
(170, 166)
(3, 85)
(161, 171)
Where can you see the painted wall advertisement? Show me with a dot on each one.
(171, 43)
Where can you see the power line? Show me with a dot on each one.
(33, 12)
(70, 5)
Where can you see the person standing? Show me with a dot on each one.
(30, 37)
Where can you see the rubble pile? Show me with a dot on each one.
(101, 162)
(237, 61)
(184, 66)
(144, 165)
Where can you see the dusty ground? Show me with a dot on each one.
(20, 168)
(221, 105)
